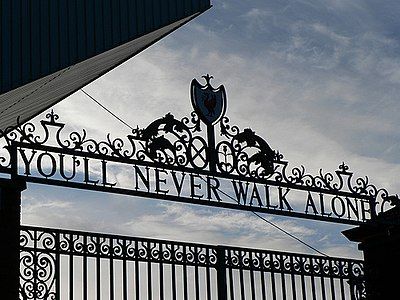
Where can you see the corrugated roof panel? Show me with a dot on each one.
(51, 48)
(35, 97)
(39, 37)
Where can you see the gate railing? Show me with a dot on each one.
(64, 264)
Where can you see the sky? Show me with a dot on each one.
(319, 80)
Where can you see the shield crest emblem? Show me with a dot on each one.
(208, 102)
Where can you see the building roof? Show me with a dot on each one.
(50, 49)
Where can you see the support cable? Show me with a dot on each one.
(273, 224)
(222, 192)
(106, 109)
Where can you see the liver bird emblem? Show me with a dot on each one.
(208, 102)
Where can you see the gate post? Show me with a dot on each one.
(10, 219)
(221, 273)
(380, 242)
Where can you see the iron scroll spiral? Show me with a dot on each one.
(168, 141)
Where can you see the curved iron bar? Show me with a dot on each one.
(42, 249)
(171, 142)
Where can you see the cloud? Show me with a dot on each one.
(91, 211)
(226, 227)
(255, 19)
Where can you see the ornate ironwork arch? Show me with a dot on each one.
(223, 151)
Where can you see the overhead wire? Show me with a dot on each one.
(221, 191)
(273, 224)
(106, 109)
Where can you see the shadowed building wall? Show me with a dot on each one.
(51, 48)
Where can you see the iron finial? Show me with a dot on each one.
(208, 78)
(52, 117)
(343, 167)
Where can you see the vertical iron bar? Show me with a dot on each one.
(212, 155)
(196, 273)
(221, 273)
(252, 287)
(352, 283)
(372, 206)
(341, 268)
(35, 263)
(85, 269)
(263, 294)
(185, 278)
(352, 288)
(323, 291)
(173, 273)
(111, 269)
(161, 271)
(161, 274)
(283, 286)
(313, 291)
(208, 276)
(293, 278)
(283, 280)
(98, 269)
(332, 280)
(273, 285)
(137, 278)
(57, 266)
(71, 267)
(173, 282)
(124, 271)
(149, 276)
(303, 283)
(231, 290)
(342, 293)
(241, 280)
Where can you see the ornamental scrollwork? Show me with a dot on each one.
(171, 142)
(42, 250)
(222, 149)
(166, 141)
(246, 154)
(37, 276)
(357, 287)
(113, 247)
(307, 265)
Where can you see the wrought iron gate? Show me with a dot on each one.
(176, 160)
(63, 264)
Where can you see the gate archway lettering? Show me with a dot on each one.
(176, 160)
